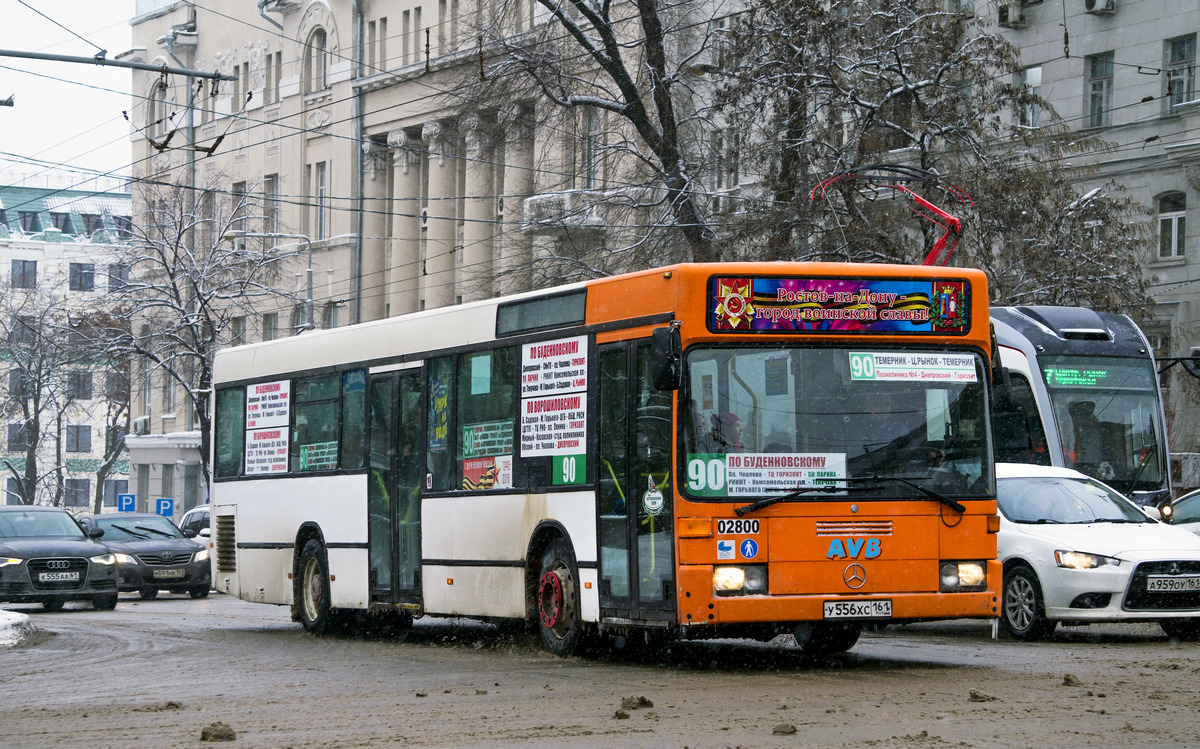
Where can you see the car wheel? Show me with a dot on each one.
(558, 600)
(199, 592)
(148, 594)
(105, 603)
(1181, 629)
(52, 605)
(313, 590)
(826, 638)
(1023, 611)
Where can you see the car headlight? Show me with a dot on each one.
(1167, 511)
(6, 561)
(1078, 560)
(106, 559)
(202, 555)
(962, 576)
(124, 558)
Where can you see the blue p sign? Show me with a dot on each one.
(164, 506)
(126, 503)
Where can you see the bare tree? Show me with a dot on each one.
(822, 87)
(187, 283)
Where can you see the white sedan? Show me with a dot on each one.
(1076, 551)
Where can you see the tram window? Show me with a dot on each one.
(230, 431)
(486, 410)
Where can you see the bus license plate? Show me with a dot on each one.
(858, 609)
(58, 577)
(1173, 583)
(158, 574)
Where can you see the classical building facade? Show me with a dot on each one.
(65, 412)
(1126, 71)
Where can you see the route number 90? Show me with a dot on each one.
(706, 475)
(862, 366)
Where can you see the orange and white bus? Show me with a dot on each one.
(742, 449)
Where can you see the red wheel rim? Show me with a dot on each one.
(550, 599)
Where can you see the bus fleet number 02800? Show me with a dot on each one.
(741, 527)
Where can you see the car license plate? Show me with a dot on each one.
(159, 574)
(858, 609)
(1172, 583)
(58, 577)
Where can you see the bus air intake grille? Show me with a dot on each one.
(226, 545)
(854, 528)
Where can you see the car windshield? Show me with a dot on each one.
(1107, 411)
(758, 421)
(34, 524)
(119, 528)
(1064, 500)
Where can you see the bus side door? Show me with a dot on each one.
(637, 566)
(393, 486)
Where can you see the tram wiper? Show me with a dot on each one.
(756, 506)
(1148, 452)
(951, 503)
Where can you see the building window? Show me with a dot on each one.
(1100, 90)
(591, 147)
(332, 315)
(1181, 70)
(116, 386)
(62, 222)
(113, 487)
(92, 222)
(24, 274)
(19, 384)
(1030, 114)
(321, 189)
(79, 438)
(12, 493)
(169, 403)
(118, 277)
(30, 223)
(156, 111)
(270, 326)
(168, 480)
(147, 385)
(77, 492)
(1172, 225)
(79, 385)
(82, 277)
(237, 331)
(18, 438)
(239, 206)
(316, 62)
(270, 192)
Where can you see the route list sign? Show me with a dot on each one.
(554, 397)
(268, 407)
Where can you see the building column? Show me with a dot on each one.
(374, 240)
(405, 270)
(516, 248)
(476, 277)
(437, 283)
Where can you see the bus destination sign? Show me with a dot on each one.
(838, 305)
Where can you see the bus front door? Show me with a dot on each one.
(393, 500)
(637, 566)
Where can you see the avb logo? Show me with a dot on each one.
(854, 548)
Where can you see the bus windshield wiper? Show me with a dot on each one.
(951, 503)
(756, 506)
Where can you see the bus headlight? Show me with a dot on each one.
(962, 576)
(733, 581)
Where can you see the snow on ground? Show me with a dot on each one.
(13, 627)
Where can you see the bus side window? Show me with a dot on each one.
(441, 425)
(314, 440)
(487, 410)
(354, 394)
(230, 431)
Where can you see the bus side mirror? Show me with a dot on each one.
(666, 352)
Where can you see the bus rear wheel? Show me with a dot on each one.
(312, 590)
(558, 600)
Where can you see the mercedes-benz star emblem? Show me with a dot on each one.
(855, 576)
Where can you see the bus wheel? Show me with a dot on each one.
(313, 589)
(1023, 612)
(826, 638)
(558, 600)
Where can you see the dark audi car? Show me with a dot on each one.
(46, 558)
(152, 554)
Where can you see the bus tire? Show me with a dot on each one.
(312, 589)
(558, 600)
(1022, 609)
(826, 638)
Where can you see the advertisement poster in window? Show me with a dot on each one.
(554, 401)
(487, 455)
(268, 408)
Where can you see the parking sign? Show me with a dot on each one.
(164, 506)
(126, 503)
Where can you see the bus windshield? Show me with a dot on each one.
(760, 421)
(1108, 416)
